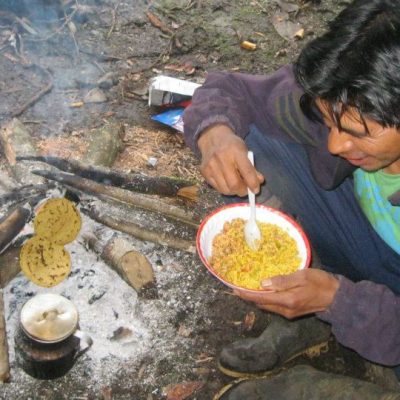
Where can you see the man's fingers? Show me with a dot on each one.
(250, 175)
(284, 282)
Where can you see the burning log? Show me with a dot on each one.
(4, 364)
(12, 224)
(163, 186)
(132, 266)
(16, 141)
(141, 233)
(109, 192)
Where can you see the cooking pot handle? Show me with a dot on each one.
(85, 342)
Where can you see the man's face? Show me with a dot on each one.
(372, 149)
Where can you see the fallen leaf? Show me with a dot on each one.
(285, 28)
(181, 391)
(155, 21)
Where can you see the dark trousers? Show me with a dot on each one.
(339, 232)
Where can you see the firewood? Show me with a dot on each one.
(4, 364)
(141, 233)
(9, 265)
(12, 224)
(132, 266)
(163, 186)
(24, 193)
(16, 141)
(108, 192)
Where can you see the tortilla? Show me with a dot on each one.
(58, 220)
(43, 262)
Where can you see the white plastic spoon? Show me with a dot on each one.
(252, 232)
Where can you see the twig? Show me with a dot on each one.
(142, 233)
(39, 94)
(68, 19)
(114, 19)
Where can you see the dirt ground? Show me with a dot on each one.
(73, 47)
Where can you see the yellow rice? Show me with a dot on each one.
(236, 263)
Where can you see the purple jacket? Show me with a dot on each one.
(364, 316)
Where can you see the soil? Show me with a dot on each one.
(179, 335)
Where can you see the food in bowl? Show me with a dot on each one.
(214, 223)
(237, 263)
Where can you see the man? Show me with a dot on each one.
(326, 138)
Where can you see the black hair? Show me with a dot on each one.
(356, 63)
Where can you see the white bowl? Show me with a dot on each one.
(214, 222)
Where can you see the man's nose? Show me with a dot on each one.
(339, 142)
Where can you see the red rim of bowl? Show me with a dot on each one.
(270, 209)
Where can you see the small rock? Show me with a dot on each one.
(95, 95)
(121, 333)
(107, 81)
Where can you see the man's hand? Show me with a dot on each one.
(303, 292)
(224, 164)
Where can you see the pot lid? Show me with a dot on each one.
(49, 317)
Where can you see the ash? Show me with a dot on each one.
(129, 333)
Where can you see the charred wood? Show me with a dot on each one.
(140, 232)
(163, 186)
(108, 192)
(9, 265)
(12, 224)
(24, 193)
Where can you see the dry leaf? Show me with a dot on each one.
(155, 21)
(181, 391)
(286, 28)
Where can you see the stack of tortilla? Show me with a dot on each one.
(43, 258)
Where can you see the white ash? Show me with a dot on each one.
(116, 307)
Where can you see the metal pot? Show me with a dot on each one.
(48, 340)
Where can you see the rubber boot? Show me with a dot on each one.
(303, 382)
(280, 342)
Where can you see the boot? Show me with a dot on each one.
(303, 382)
(281, 341)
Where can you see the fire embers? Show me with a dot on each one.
(43, 258)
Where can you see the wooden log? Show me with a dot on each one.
(163, 186)
(17, 141)
(4, 363)
(104, 145)
(141, 233)
(9, 265)
(110, 192)
(12, 224)
(24, 193)
(133, 267)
